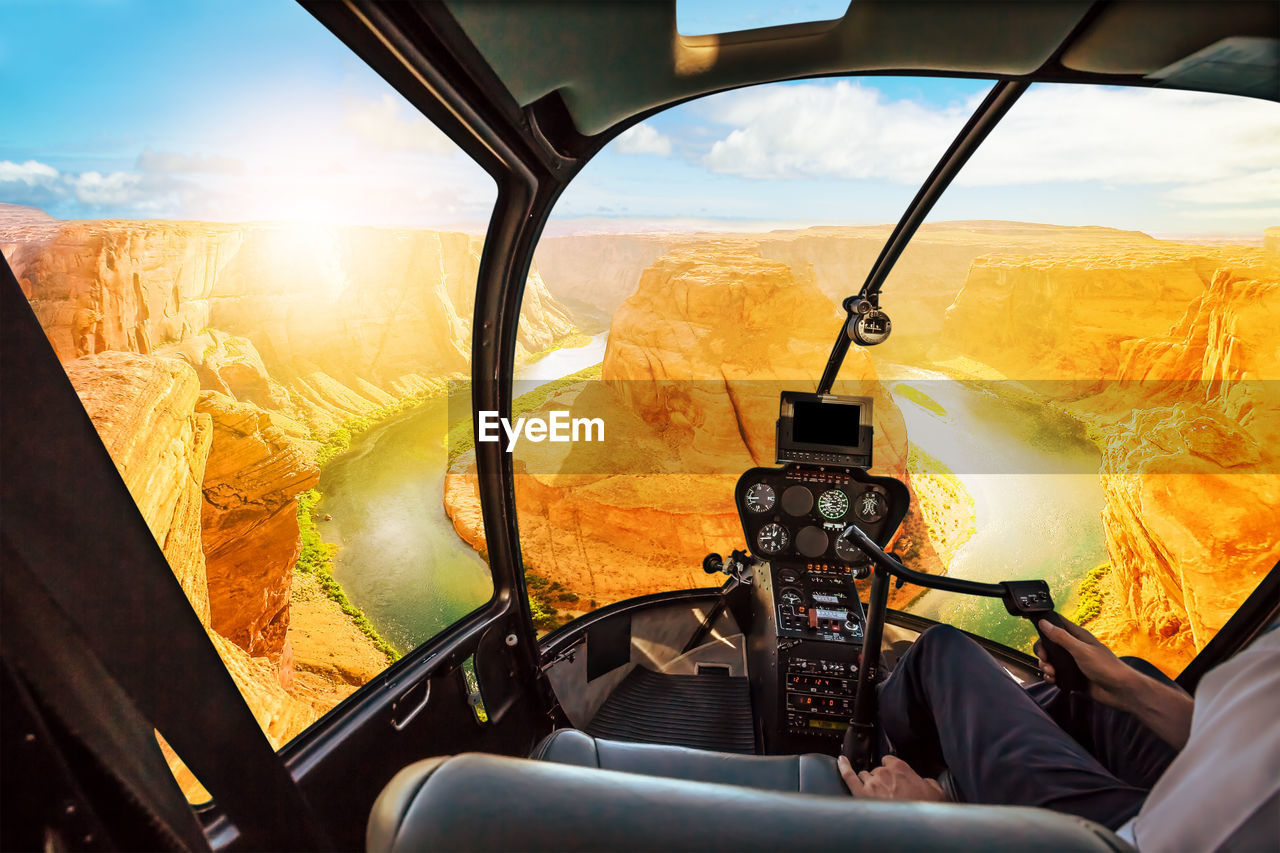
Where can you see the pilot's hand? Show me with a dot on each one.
(1109, 678)
(892, 780)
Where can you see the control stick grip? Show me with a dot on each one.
(1031, 600)
(1066, 672)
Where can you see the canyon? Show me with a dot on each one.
(213, 359)
(1169, 352)
(1164, 349)
(689, 392)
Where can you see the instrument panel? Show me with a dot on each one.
(809, 620)
(797, 512)
(793, 518)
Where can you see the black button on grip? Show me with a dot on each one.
(1031, 600)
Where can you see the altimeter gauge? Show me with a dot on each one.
(760, 497)
(833, 504)
(772, 538)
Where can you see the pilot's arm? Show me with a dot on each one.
(1163, 708)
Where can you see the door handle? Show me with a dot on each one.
(400, 720)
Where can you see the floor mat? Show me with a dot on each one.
(701, 711)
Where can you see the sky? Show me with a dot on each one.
(245, 110)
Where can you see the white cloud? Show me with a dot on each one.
(94, 188)
(845, 130)
(1241, 189)
(387, 123)
(1127, 136)
(1213, 148)
(44, 186)
(643, 139)
(31, 173)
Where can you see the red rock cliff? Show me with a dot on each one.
(695, 361)
(1193, 480)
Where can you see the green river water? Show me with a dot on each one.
(1032, 474)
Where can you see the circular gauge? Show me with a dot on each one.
(870, 506)
(833, 503)
(812, 541)
(760, 497)
(847, 551)
(871, 328)
(772, 538)
(797, 500)
(791, 596)
(788, 576)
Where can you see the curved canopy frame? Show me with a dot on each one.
(533, 89)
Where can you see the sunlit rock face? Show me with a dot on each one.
(931, 270)
(249, 522)
(599, 271)
(208, 356)
(127, 286)
(144, 411)
(341, 315)
(1192, 482)
(695, 361)
(1074, 315)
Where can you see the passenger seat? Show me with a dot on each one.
(804, 774)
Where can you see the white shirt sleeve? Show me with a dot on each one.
(1222, 792)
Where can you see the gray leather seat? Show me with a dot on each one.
(803, 774)
(489, 802)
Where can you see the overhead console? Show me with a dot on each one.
(809, 621)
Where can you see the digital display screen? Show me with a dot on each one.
(834, 725)
(826, 423)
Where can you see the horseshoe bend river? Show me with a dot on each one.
(1030, 469)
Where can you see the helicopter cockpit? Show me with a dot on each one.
(364, 487)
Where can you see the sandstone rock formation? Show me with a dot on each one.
(1070, 315)
(249, 522)
(1169, 350)
(602, 270)
(288, 332)
(695, 361)
(1193, 479)
(144, 411)
(339, 318)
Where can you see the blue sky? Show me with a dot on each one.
(233, 110)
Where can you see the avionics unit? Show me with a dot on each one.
(824, 429)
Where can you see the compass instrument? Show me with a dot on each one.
(871, 328)
(870, 506)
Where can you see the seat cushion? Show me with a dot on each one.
(805, 774)
(489, 803)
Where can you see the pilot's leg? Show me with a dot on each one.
(949, 700)
(1126, 747)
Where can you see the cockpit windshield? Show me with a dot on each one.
(1076, 363)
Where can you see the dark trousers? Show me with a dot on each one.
(949, 704)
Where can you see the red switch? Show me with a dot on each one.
(813, 618)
